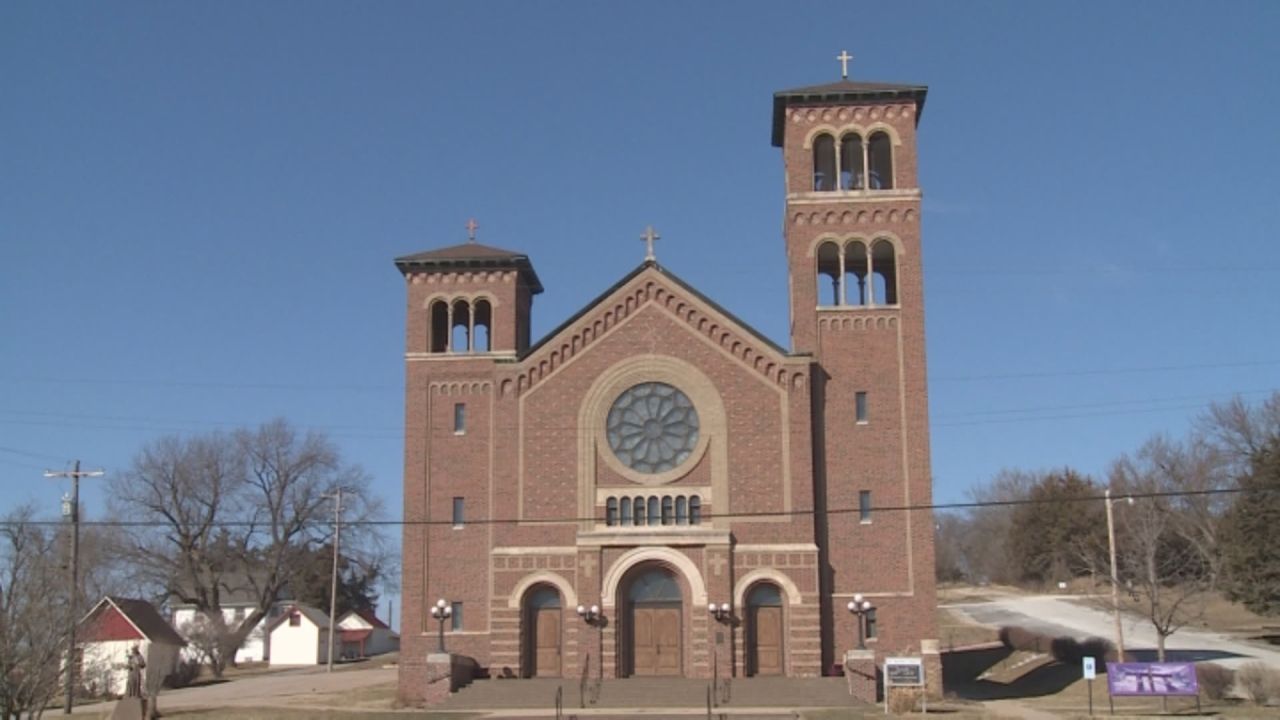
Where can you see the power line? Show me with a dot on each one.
(706, 515)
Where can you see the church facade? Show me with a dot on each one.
(655, 488)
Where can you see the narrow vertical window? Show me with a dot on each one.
(460, 333)
(886, 273)
(611, 511)
(880, 157)
(456, 617)
(668, 510)
(459, 418)
(482, 336)
(855, 274)
(639, 508)
(871, 623)
(655, 515)
(626, 511)
(438, 330)
(829, 275)
(459, 516)
(864, 506)
(824, 162)
(682, 510)
(860, 407)
(695, 510)
(852, 174)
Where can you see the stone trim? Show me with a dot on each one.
(676, 561)
(542, 577)
(646, 535)
(780, 579)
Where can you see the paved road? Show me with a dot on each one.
(1058, 615)
(296, 688)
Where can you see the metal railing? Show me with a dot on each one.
(559, 703)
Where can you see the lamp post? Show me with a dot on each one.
(441, 611)
(721, 613)
(591, 616)
(1115, 580)
(860, 607)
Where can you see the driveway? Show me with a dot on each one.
(1057, 615)
(295, 688)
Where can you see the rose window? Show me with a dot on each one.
(652, 427)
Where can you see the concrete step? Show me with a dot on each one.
(652, 693)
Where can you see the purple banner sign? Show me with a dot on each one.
(1152, 678)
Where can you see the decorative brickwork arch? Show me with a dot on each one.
(546, 578)
(771, 575)
(677, 561)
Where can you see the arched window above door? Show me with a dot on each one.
(654, 586)
(764, 595)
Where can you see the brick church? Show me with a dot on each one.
(655, 487)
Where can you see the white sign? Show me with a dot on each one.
(1090, 668)
(904, 671)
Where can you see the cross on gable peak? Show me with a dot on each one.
(649, 236)
(471, 230)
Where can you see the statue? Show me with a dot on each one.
(137, 664)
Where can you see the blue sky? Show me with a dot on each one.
(199, 204)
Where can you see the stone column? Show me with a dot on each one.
(860, 672)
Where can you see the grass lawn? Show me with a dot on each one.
(955, 629)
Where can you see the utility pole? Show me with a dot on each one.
(333, 585)
(1115, 580)
(74, 597)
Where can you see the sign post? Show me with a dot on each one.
(904, 672)
(1090, 672)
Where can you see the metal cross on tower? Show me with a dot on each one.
(844, 57)
(649, 236)
(471, 230)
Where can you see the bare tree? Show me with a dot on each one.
(34, 613)
(988, 554)
(230, 514)
(1157, 552)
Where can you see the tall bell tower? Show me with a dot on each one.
(852, 233)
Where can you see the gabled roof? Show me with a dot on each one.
(674, 278)
(366, 615)
(141, 614)
(838, 92)
(315, 615)
(471, 255)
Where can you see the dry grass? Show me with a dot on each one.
(950, 593)
(1219, 613)
(1073, 701)
(313, 714)
(955, 629)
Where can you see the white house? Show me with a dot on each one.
(110, 630)
(255, 648)
(364, 635)
(300, 636)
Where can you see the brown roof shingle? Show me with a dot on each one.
(471, 255)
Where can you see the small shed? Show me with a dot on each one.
(364, 635)
(300, 636)
(110, 630)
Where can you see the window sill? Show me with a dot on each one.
(862, 422)
(857, 308)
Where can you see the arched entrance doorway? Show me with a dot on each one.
(541, 641)
(654, 611)
(764, 630)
